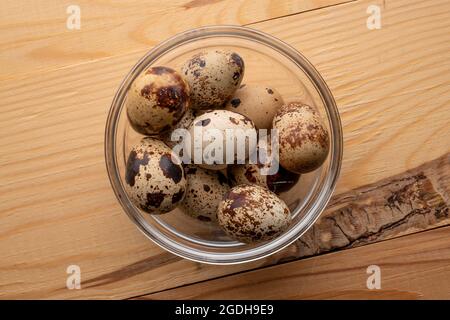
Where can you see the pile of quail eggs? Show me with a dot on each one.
(206, 92)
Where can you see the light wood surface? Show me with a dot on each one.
(412, 267)
(56, 205)
(35, 37)
(413, 201)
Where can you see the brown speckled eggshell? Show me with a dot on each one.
(153, 181)
(279, 182)
(205, 189)
(250, 213)
(220, 120)
(248, 173)
(184, 123)
(157, 100)
(303, 138)
(259, 103)
(213, 77)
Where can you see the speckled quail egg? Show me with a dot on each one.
(259, 103)
(184, 123)
(251, 213)
(280, 180)
(205, 189)
(155, 182)
(213, 77)
(209, 133)
(157, 100)
(303, 138)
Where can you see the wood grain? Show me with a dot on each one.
(412, 267)
(56, 205)
(35, 37)
(415, 200)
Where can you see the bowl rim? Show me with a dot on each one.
(325, 192)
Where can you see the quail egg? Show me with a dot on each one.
(157, 100)
(184, 123)
(213, 77)
(205, 189)
(266, 172)
(210, 133)
(281, 181)
(259, 103)
(154, 181)
(250, 213)
(303, 138)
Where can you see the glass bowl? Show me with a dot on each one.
(268, 61)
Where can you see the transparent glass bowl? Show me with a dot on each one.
(268, 61)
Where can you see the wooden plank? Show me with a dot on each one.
(35, 37)
(57, 207)
(412, 267)
(416, 200)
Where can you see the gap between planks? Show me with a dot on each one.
(418, 273)
(344, 2)
(47, 45)
(413, 102)
(423, 193)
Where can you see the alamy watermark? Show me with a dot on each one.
(231, 146)
(374, 280)
(373, 22)
(74, 279)
(73, 21)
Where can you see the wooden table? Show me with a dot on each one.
(391, 205)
